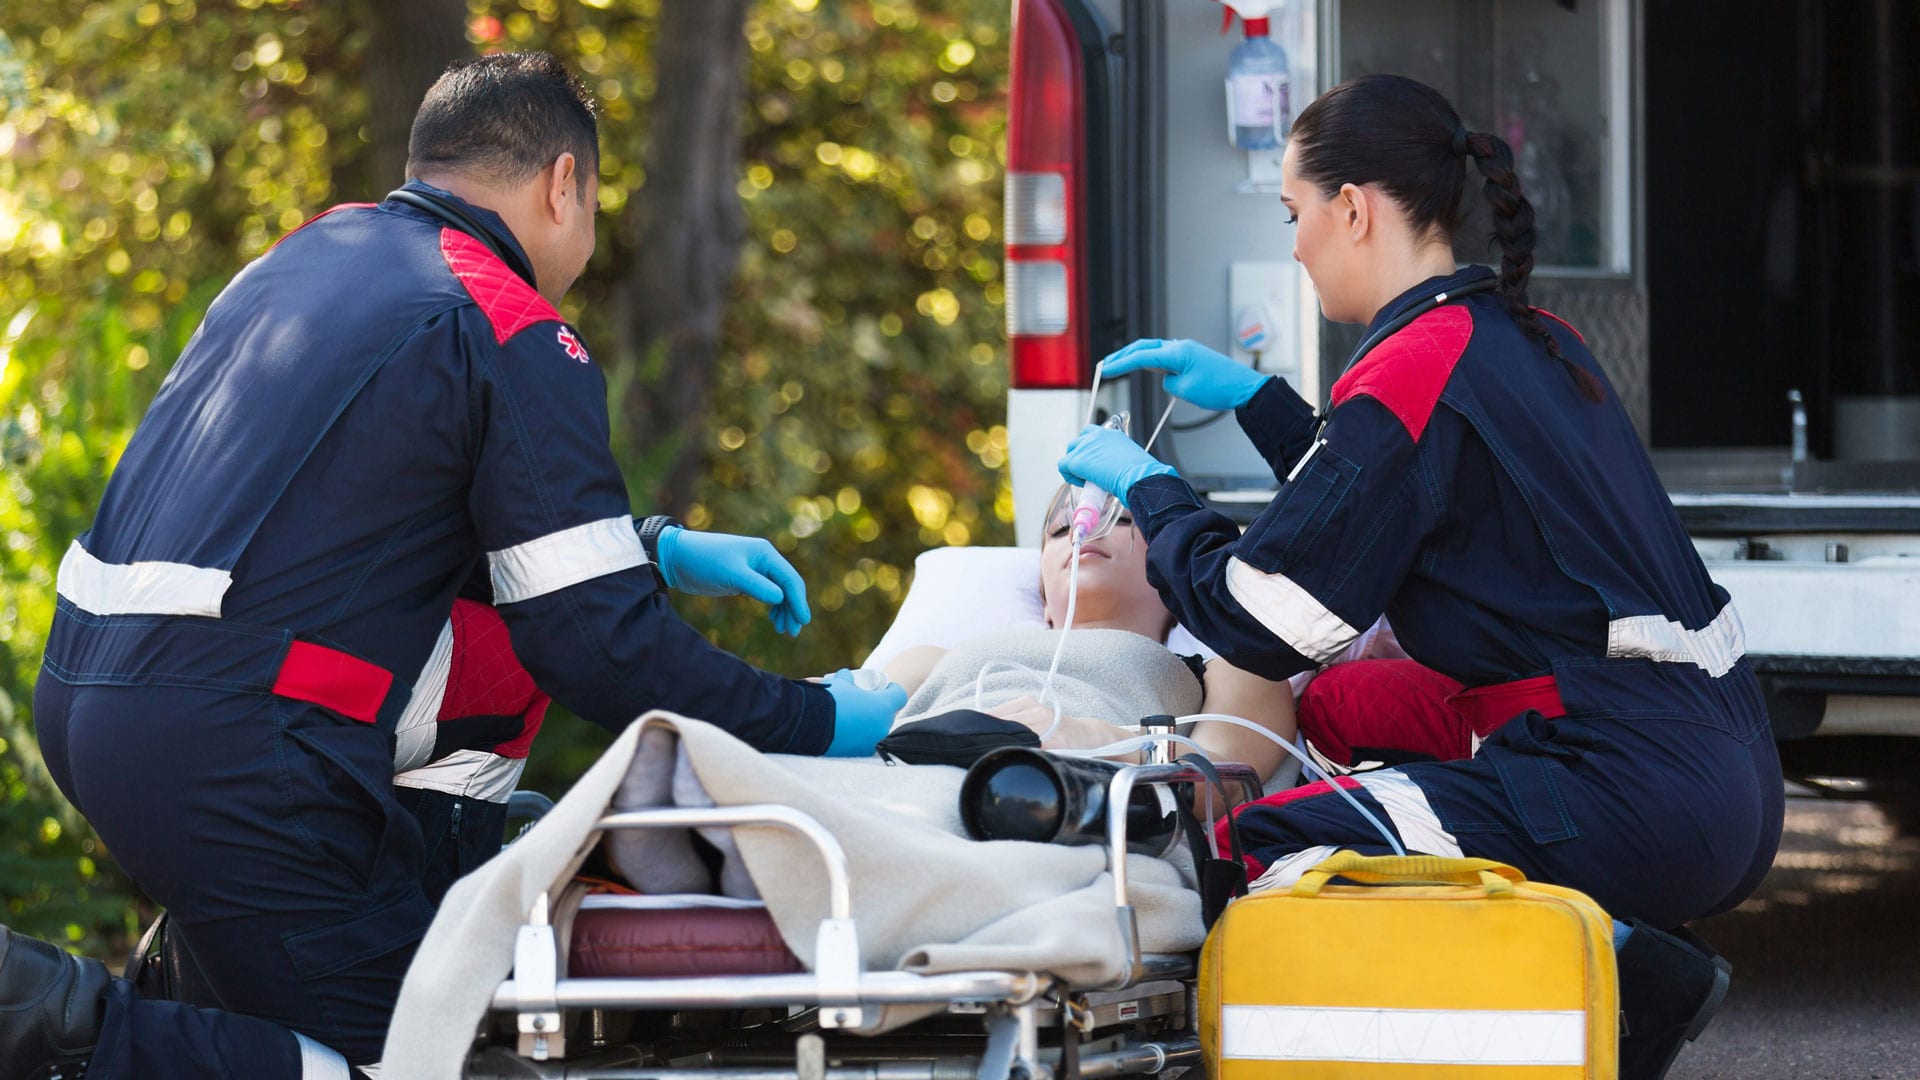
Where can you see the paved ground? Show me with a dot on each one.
(1826, 956)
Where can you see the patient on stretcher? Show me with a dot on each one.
(1115, 668)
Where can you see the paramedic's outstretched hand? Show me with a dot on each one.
(1110, 460)
(718, 564)
(1195, 373)
(861, 717)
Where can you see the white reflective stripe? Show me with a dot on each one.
(141, 588)
(1404, 1036)
(319, 1063)
(568, 557)
(1290, 868)
(1289, 612)
(475, 774)
(1714, 648)
(1412, 815)
(420, 722)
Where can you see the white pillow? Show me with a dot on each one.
(960, 593)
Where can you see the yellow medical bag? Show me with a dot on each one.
(1428, 967)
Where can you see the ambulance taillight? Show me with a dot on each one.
(1045, 202)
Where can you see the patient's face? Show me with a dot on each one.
(1113, 586)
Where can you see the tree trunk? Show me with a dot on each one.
(688, 230)
(409, 43)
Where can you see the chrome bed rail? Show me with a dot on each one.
(847, 998)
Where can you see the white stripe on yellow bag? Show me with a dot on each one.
(1403, 1036)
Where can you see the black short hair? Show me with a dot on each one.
(503, 118)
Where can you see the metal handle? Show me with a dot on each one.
(839, 892)
(1119, 794)
(836, 952)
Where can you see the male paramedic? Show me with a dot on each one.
(383, 413)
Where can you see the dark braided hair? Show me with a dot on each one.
(1403, 135)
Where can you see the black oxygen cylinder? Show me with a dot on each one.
(1016, 793)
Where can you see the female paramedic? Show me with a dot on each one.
(1474, 477)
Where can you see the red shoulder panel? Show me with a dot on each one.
(509, 303)
(1562, 322)
(1407, 371)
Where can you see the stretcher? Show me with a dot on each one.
(641, 989)
(680, 994)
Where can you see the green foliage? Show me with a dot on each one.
(871, 387)
(146, 151)
(149, 149)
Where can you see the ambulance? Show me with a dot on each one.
(1729, 209)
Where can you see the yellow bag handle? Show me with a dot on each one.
(1497, 878)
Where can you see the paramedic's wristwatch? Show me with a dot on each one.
(650, 529)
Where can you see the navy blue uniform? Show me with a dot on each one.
(1510, 530)
(372, 416)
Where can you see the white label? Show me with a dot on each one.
(1258, 98)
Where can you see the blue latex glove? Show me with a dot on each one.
(1110, 460)
(719, 564)
(1195, 373)
(861, 717)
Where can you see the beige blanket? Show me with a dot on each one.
(1112, 675)
(925, 898)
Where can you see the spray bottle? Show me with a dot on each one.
(1258, 112)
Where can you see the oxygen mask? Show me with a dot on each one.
(1095, 511)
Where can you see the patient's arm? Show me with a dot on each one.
(1073, 732)
(1235, 692)
(912, 666)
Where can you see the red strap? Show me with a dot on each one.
(348, 685)
(1488, 707)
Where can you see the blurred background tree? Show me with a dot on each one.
(796, 294)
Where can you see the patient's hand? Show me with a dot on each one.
(1074, 732)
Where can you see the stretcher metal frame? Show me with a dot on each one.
(847, 999)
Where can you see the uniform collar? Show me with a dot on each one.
(495, 225)
(1424, 291)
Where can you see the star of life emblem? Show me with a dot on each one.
(571, 342)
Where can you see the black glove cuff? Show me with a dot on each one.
(650, 529)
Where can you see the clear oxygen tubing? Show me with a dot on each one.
(1093, 403)
(1091, 498)
(1128, 745)
(1095, 510)
(1047, 696)
(1044, 679)
(1307, 765)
